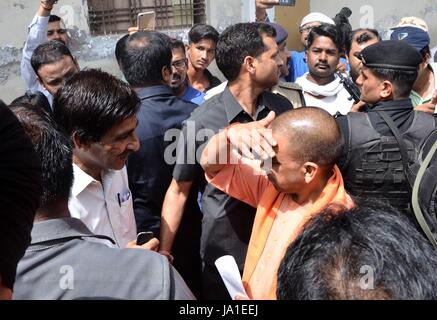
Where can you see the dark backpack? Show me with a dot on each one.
(422, 178)
(424, 193)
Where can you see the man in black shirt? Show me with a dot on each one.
(371, 164)
(248, 56)
(145, 60)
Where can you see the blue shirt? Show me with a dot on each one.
(298, 66)
(193, 95)
(148, 172)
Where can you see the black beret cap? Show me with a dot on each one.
(395, 55)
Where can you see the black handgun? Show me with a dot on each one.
(350, 87)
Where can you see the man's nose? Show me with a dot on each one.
(323, 56)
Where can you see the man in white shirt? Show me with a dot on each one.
(44, 27)
(99, 111)
(322, 87)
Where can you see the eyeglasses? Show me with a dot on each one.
(180, 64)
(308, 28)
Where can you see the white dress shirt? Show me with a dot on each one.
(105, 208)
(37, 34)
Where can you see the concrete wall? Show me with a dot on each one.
(15, 15)
(382, 14)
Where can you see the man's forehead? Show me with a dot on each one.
(322, 41)
(55, 25)
(361, 46)
(207, 43)
(64, 64)
(312, 24)
(178, 53)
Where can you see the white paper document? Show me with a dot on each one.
(228, 269)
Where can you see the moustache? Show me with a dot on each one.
(175, 76)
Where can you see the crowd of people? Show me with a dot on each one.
(298, 165)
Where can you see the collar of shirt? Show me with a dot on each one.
(233, 108)
(393, 105)
(58, 229)
(82, 180)
(416, 98)
(153, 91)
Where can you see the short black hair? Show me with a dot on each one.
(402, 80)
(54, 150)
(326, 30)
(238, 42)
(36, 100)
(144, 56)
(49, 52)
(20, 192)
(120, 47)
(369, 252)
(54, 18)
(201, 32)
(365, 36)
(92, 102)
(177, 44)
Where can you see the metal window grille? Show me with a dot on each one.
(116, 16)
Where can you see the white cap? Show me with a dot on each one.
(316, 17)
(412, 22)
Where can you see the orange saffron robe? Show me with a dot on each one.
(246, 182)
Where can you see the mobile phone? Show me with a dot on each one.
(144, 237)
(146, 21)
(291, 3)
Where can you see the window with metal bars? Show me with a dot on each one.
(116, 16)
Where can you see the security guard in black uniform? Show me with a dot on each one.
(371, 163)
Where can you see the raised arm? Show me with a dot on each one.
(37, 34)
(261, 7)
(251, 140)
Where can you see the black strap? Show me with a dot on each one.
(402, 146)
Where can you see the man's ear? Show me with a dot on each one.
(249, 64)
(387, 89)
(166, 74)
(310, 170)
(78, 143)
(426, 60)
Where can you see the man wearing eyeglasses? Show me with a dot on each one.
(145, 58)
(178, 81)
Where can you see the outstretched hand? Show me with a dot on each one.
(253, 139)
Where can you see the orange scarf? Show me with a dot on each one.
(268, 207)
